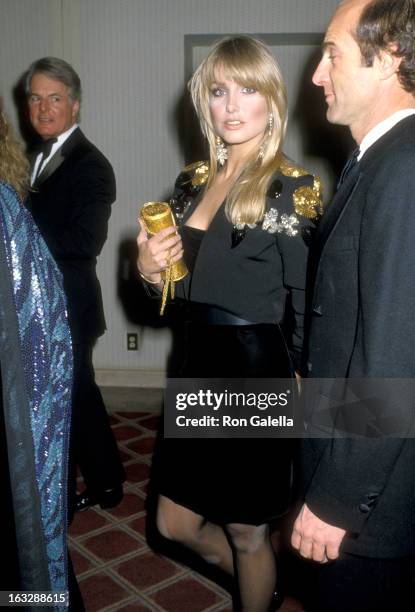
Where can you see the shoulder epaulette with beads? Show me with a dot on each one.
(307, 200)
(290, 168)
(196, 173)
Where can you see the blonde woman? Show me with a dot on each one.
(245, 219)
(14, 166)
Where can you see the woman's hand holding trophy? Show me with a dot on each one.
(159, 259)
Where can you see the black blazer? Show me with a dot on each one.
(363, 326)
(258, 274)
(71, 204)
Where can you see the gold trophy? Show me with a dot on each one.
(157, 216)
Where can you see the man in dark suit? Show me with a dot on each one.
(73, 187)
(358, 517)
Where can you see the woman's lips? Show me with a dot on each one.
(233, 125)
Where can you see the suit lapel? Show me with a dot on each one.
(336, 209)
(59, 157)
(344, 195)
(52, 165)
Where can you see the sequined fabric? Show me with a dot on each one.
(46, 359)
(307, 202)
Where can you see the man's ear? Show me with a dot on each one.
(388, 63)
(75, 109)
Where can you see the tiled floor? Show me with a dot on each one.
(116, 568)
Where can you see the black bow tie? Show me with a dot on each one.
(349, 165)
(44, 150)
(45, 147)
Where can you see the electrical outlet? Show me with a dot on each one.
(132, 341)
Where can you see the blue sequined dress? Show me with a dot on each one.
(36, 374)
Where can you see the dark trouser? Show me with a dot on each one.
(93, 447)
(361, 584)
(76, 603)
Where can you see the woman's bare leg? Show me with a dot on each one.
(180, 524)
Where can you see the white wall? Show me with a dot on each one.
(130, 56)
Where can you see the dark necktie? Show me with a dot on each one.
(349, 165)
(45, 148)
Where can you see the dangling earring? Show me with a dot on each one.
(270, 124)
(262, 147)
(221, 151)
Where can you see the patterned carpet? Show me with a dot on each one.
(115, 566)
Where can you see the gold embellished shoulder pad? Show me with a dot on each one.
(289, 168)
(187, 187)
(307, 200)
(196, 173)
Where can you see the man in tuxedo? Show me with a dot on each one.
(357, 521)
(73, 187)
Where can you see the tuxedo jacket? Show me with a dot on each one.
(363, 326)
(71, 204)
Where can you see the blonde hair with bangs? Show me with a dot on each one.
(14, 165)
(247, 61)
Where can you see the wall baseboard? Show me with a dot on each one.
(147, 379)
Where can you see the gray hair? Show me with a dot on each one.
(59, 70)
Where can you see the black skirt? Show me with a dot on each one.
(230, 480)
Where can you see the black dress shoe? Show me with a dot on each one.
(106, 499)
